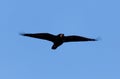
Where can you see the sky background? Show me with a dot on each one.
(29, 58)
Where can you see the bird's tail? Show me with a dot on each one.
(54, 47)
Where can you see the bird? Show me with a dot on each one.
(59, 39)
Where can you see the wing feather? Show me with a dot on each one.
(77, 38)
(45, 36)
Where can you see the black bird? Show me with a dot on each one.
(58, 39)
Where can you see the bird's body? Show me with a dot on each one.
(58, 39)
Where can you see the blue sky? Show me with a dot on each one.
(28, 58)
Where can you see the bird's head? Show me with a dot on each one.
(61, 35)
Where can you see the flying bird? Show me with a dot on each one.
(58, 39)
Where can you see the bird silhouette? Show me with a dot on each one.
(58, 39)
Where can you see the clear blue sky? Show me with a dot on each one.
(28, 58)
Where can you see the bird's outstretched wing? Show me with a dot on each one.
(45, 36)
(77, 38)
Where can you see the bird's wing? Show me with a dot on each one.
(45, 36)
(77, 38)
